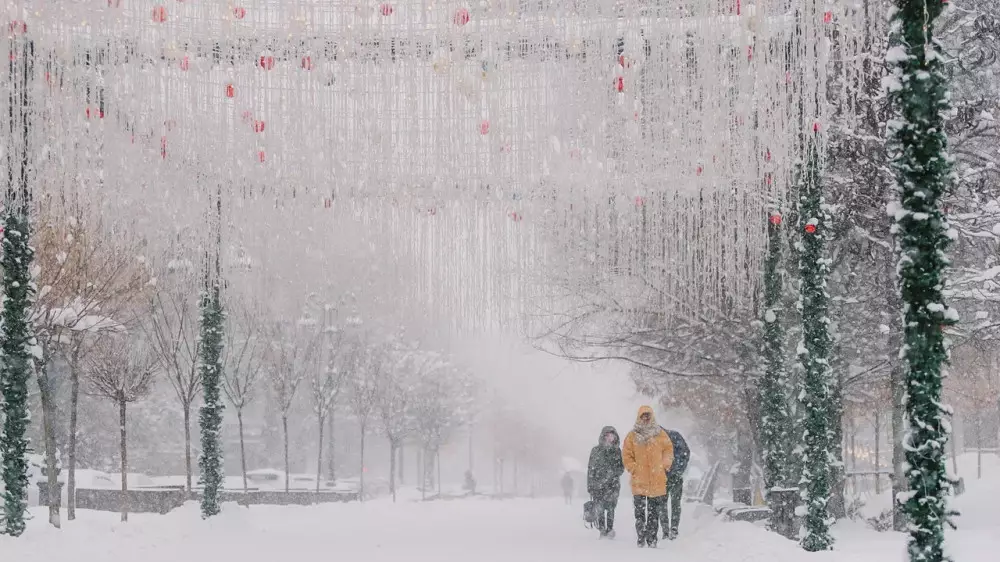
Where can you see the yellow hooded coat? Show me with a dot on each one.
(649, 459)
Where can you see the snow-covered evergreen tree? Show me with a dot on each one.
(814, 352)
(17, 343)
(774, 429)
(210, 416)
(919, 158)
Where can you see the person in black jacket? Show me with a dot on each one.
(670, 517)
(604, 472)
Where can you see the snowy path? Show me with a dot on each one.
(491, 531)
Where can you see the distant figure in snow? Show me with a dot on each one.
(671, 515)
(648, 454)
(470, 483)
(604, 472)
(567, 486)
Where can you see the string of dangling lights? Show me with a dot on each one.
(469, 149)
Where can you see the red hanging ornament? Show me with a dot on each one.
(811, 228)
(461, 16)
(327, 202)
(261, 156)
(816, 127)
(515, 216)
(775, 219)
(767, 178)
(185, 63)
(163, 147)
(307, 63)
(828, 16)
(624, 62)
(266, 62)
(18, 27)
(386, 9)
(159, 14)
(698, 170)
(230, 91)
(639, 201)
(484, 127)
(620, 84)
(258, 126)
(738, 10)
(749, 52)
(97, 112)
(239, 12)
(767, 155)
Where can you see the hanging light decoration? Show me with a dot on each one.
(159, 14)
(461, 17)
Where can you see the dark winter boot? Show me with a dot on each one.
(673, 534)
(642, 543)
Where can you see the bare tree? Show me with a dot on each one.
(242, 359)
(122, 371)
(87, 280)
(393, 403)
(291, 355)
(364, 380)
(327, 382)
(172, 329)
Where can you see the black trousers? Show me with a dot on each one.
(670, 518)
(606, 515)
(648, 512)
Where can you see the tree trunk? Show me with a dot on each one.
(422, 472)
(284, 432)
(319, 452)
(392, 469)
(897, 391)
(437, 459)
(878, 463)
(48, 428)
(331, 455)
(402, 471)
(74, 401)
(979, 445)
(124, 455)
(187, 445)
(361, 479)
(243, 451)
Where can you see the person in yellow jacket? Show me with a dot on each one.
(648, 454)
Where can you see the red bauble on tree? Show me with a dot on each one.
(827, 17)
(461, 16)
(258, 126)
(185, 63)
(811, 228)
(484, 127)
(620, 84)
(230, 91)
(775, 219)
(266, 62)
(239, 12)
(386, 9)
(159, 14)
(307, 63)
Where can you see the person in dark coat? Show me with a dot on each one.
(567, 486)
(604, 472)
(670, 517)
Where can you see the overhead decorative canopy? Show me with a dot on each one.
(479, 143)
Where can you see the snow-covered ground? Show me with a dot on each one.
(488, 530)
